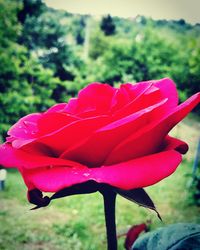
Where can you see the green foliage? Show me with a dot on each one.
(45, 36)
(9, 29)
(25, 86)
(98, 45)
(145, 56)
(30, 8)
(78, 29)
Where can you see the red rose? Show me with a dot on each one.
(117, 136)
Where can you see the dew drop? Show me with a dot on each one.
(20, 126)
(25, 131)
(86, 174)
(25, 123)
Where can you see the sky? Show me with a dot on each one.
(157, 9)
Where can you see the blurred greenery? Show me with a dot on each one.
(48, 55)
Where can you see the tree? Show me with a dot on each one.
(45, 37)
(25, 86)
(30, 8)
(107, 25)
(79, 24)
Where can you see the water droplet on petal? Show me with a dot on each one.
(86, 174)
(25, 123)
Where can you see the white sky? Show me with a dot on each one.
(157, 9)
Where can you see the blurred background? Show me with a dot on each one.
(49, 50)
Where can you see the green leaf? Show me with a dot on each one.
(140, 197)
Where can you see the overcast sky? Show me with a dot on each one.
(157, 9)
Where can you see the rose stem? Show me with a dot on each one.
(109, 209)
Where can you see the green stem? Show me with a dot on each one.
(109, 210)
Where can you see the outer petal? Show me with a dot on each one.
(29, 128)
(148, 140)
(25, 128)
(60, 107)
(140, 172)
(11, 157)
(174, 143)
(136, 173)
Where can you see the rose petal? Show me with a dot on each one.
(51, 122)
(145, 94)
(31, 127)
(140, 172)
(148, 140)
(96, 96)
(174, 143)
(93, 151)
(11, 157)
(127, 175)
(26, 127)
(127, 94)
(136, 173)
(168, 90)
(73, 133)
(64, 136)
(60, 107)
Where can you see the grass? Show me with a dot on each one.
(78, 222)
